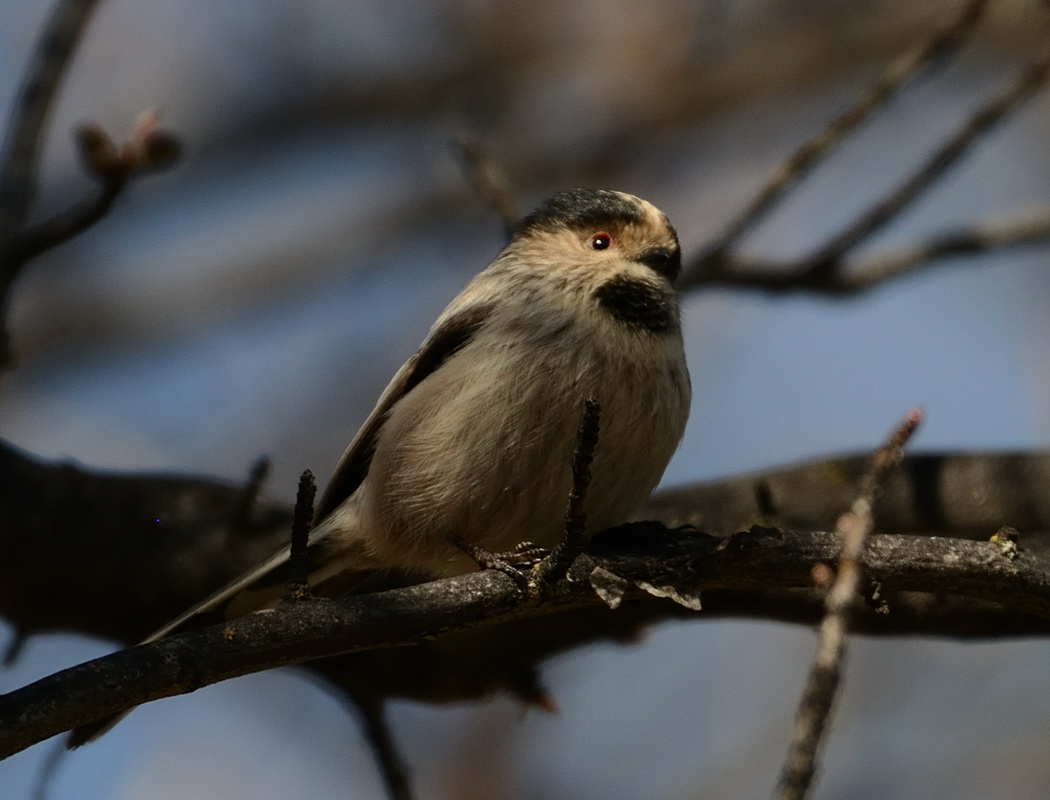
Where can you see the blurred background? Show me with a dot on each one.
(255, 299)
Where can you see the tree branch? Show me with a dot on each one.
(147, 148)
(712, 263)
(1022, 230)
(298, 632)
(116, 555)
(829, 259)
(825, 674)
(25, 133)
(488, 180)
(826, 271)
(50, 60)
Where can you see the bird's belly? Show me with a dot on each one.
(495, 467)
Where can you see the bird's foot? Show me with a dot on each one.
(511, 563)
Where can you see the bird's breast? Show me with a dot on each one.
(482, 448)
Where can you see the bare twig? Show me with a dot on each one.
(50, 60)
(713, 261)
(384, 748)
(48, 770)
(1026, 229)
(148, 147)
(299, 557)
(882, 267)
(554, 566)
(257, 476)
(826, 271)
(24, 136)
(826, 670)
(486, 178)
(829, 259)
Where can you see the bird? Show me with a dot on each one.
(469, 448)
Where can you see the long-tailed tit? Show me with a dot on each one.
(473, 438)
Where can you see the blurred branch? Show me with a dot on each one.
(488, 180)
(113, 554)
(25, 133)
(966, 495)
(146, 148)
(829, 259)
(827, 270)
(384, 748)
(24, 136)
(1025, 229)
(874, 97)
(986, 237)
(818, 695)
(640, 555)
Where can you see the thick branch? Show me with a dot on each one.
(969, 495)
(116, 555)
(299, 632)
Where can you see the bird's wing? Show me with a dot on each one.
(444, 340)
(447, 337)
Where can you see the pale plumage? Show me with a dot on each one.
(474, 436)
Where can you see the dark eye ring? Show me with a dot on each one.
(601, 241)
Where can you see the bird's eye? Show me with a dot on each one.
(601, 241)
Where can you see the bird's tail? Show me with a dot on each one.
(258, 588)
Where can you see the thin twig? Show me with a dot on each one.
(27, 245)
(555, 565)
(22, 142)
(48, 770)
(829, 259)
(994, 235)
(299, 557)
(826, 271)
(25, 135)
(802, 161)
(384, 748)
(825, 673)
(882, 267)
(486, 178)
(147, 147)
(257, 476)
